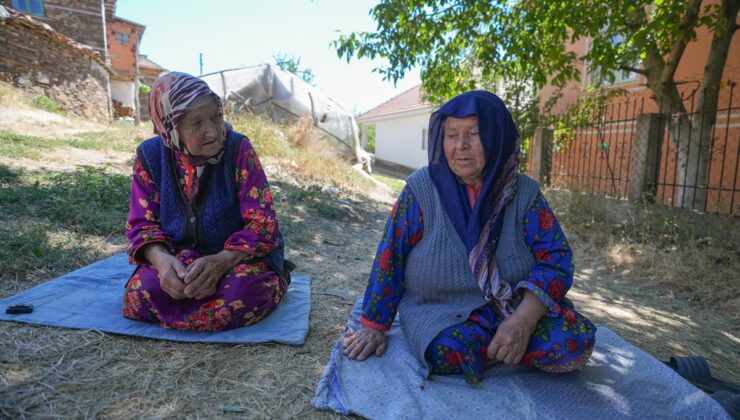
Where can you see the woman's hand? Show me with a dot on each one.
(511, 340)
(512, 336)
(205, 273)
(170, 270)
(363, 343)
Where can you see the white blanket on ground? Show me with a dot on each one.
(620, 381)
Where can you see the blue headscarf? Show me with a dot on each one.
(479, 227)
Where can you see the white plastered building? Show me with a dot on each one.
(401, 125)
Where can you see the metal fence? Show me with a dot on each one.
(604, 151)
(714, 186)
(593, 155)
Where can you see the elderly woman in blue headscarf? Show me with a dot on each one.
(473, 257)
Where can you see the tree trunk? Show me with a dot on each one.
(691, 135)
(690, 186)
(699, 153)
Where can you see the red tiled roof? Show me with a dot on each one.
(146, 63)
(407, 101)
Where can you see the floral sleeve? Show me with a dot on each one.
(552, 274)
(403, 230)
(260, 234)
(143, 225)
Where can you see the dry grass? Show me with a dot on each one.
(52, 372)
(665, 279)
(303, 155)
(303, 133)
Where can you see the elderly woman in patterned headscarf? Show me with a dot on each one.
(201, 225)
(473, 258)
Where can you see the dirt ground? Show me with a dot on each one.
(51, 372)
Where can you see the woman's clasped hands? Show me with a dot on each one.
(196, 281)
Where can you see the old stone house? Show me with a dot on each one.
(91, 23)
(42, 61)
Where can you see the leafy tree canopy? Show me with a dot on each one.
(292, 64)
(456, 42)
(461, 44)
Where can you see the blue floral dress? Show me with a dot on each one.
(563, 339)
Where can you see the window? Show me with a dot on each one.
(620, 76)
(32, 7)
(121, 37)
(424, 139)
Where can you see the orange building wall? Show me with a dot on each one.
(123, 57)
(597, 160)
(570, 93)
(690, 71)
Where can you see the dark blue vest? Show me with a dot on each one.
(207, 224)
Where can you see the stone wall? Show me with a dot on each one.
(40, 60)
(80, 20)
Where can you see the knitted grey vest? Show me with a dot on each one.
(440, 288)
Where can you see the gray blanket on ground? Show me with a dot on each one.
(91, 298)
(620, 381)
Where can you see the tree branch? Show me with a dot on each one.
(679, 45)
(717, 58)
(633, 70)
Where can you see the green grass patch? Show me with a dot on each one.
(395, 183)
(57, 220)
(47, 104)
(9, 175)
(89, 200)
(42, 248)
(121, 139)
(20, 146)
(31, 147)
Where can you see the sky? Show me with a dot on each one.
(238, 33)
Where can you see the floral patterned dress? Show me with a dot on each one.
(563, 339)
(247, 294)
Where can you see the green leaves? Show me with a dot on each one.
(456, 42)
(292, 64)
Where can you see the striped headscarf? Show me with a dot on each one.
(479, 227)
(169, 98)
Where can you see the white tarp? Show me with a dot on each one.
(266, 89)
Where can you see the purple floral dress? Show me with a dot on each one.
(563, 339)
(246, 294)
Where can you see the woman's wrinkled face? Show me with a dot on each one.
(464, 150)
(201, 129)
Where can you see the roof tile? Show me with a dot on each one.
(407, 101)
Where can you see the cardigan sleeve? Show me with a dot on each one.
(552, 274)
(387, 283)
(143, 226)
(260, 233)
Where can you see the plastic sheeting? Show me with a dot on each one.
(285, 97)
